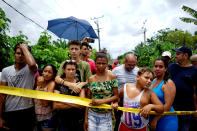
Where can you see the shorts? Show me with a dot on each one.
(48, 124)
(123, 127)
(99, 122)
(20, 120)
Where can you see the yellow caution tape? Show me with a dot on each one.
(73, 100)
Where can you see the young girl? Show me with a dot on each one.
(70, 116)
(43, 108)
(165, 90)
(102, 89)
(138, 95)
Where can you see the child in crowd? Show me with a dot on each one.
(70, 116)
(138, 95)
(43, 108)
(102, 89)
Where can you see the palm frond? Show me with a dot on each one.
(189, 20)
(191, 11)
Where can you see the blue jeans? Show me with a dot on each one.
(184, 122)
(99, 122)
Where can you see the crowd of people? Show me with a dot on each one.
(169, 87)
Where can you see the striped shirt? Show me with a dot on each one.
(123, 76)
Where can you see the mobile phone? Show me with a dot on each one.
(90, 40)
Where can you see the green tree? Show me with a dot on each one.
(7, 43)
(181, 38)
(4, 43)
(192, 12)
(163, 40)
(47, 52)
(60, 43)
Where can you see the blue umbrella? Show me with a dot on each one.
(71, 28)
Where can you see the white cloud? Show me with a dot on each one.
(121, 26)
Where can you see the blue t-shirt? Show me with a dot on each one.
(185, 78)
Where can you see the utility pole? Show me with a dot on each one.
(98, 29)
(144, 31)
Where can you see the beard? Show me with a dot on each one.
(84, 55)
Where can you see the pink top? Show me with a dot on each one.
(42, 112)
(92, 66)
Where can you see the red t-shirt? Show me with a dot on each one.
(92, 66)
(114, 66)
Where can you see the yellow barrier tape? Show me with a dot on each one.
(73, 99)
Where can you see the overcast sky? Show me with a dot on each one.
(121, 24)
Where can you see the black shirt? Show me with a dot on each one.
(69, 116)
(185, 78)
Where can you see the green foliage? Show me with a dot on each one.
(60, 43)
(192, 12)
(93, 56)
(4, 40)
(47, 52)
(4, 22)
(7, 43)
(122, 57)
(164, 40)
(147, 54)
(181, 38)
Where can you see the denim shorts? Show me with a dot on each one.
(99, 122)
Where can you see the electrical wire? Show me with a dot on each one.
(23, 15)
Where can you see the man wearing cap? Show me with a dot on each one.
(115, 64)
(184, 76)
(167, 56)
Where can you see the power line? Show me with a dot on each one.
(23, 15)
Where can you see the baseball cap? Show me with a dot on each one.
(116, 61)
(166, 53)
(184, 49)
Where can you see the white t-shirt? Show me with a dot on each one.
(23, 78)
(123, 76)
